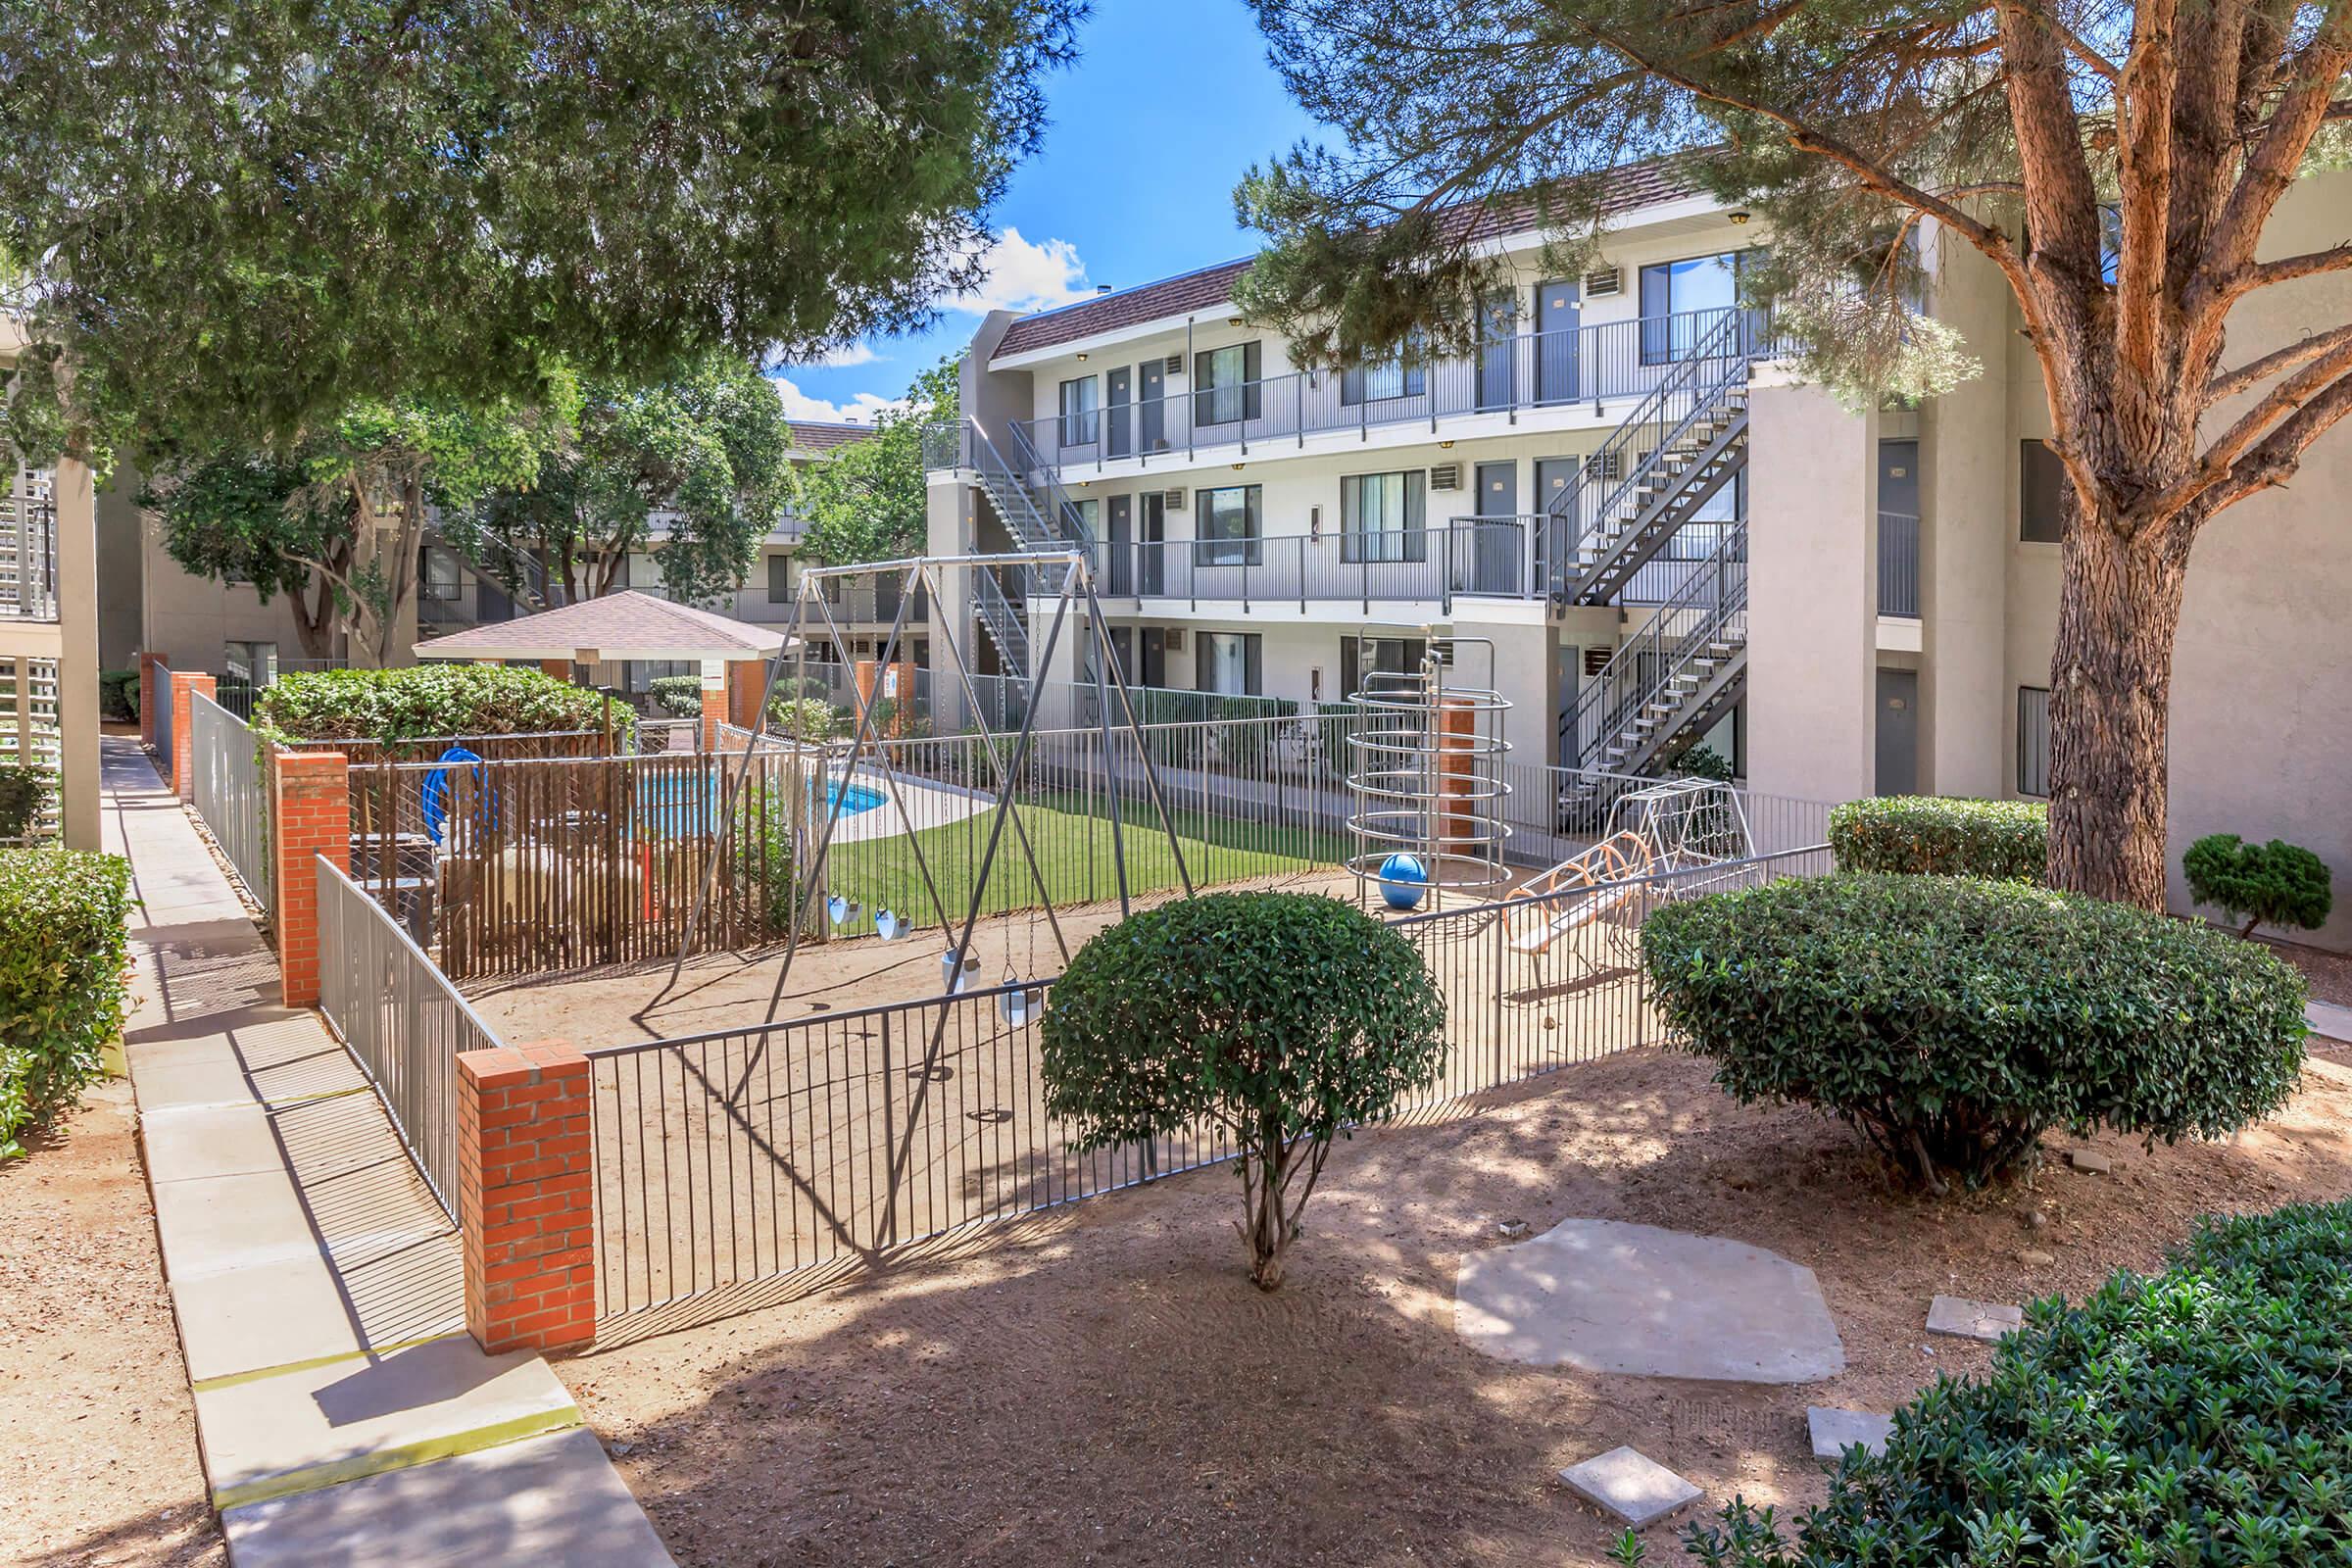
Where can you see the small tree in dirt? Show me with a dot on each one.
(2277, 884)
(1281, 1018)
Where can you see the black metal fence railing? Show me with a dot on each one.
(1469, 557)
(730, 1157)
(1898, 566)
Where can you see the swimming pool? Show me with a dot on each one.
(852, 799)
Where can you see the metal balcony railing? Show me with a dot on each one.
(1898, 566)
(1466, 556)
(1523, 372)
(1709, 608)
(28, 548)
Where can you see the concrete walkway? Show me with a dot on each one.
(346, 1418)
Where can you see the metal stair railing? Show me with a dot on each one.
(1006, 625)
(1052, 497)
(1700, 383)
(1711, 603)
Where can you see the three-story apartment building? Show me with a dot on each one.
(1667, 540)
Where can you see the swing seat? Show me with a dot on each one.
(889, 926)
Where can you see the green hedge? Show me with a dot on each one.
(428, 702)
(23, 792)
(1954, 1019)
(64, 934)
(1931, 836)
(678, 696)
(2202, 1416)
(119, 695)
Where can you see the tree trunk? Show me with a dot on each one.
(1269, 1226)
(2110, 698)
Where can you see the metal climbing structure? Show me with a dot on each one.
(1425, 779)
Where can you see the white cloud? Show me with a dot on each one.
(843, 358)
(1025, 277)
(798, 404)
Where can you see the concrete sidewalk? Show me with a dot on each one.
(347, 1420)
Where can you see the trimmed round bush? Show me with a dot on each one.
(1954, 1019)
(1929, 835)
(2276, 884)
(428, 702)
(678, 696)
(1279, 1019)
(65, 938)
(2200, 1415)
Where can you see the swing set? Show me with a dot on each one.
(1067, 578)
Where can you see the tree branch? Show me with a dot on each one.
(2276, 363)
(2313, 76)
(2288, 269)
(2280, 453)
(2221, 462)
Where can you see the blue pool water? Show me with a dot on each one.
(852, 799)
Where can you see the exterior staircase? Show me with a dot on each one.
(1026, 495)
(1685, 442)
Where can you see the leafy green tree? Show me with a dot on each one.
(707, 447)
(2278, 884)
(229, 224)
(1280, 1019)
(868, 500)
(2117, 164)
(335, 525)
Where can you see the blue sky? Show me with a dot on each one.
(1169, 103)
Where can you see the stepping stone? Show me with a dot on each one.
(1607, 1297)
(1639, 1490)
(2089, 1162)
(1835, 1431)
(1964, 1319)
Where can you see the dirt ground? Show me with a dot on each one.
(1101, 1384)
(98, 1461)
(2328, 974)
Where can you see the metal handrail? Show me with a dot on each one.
(1714, 593)
(1004, 622)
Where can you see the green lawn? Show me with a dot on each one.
(1074, 851)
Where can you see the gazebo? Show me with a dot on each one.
(627, 627)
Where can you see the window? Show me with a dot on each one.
(780, 584)
(1227, 662)
(1361, 656)
(258, 662)
(1081, 518)
(1078, 415)
(436, 575)
(1381, 516)
(2040, 494)
(1225, 384)
(1399, 376)
(1225, 522)
(1704, 534)
(1674, 294)
(2033, 741)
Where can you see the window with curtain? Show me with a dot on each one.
(1225, 384)
(2032, 741)
(780, 584)
(1400, 376)
(1078, 411)
(1674, 296)
(1225, 524)
(1381, 516)
(1363, 656)
(1227, 662)
(2040, 494)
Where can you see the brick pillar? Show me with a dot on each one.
(525, 1204)
(310, 816)
(149, 680)
(714, 713)
(747, 678)
(560, 668)
(183, 743)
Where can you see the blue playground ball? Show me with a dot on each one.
(1404, 881)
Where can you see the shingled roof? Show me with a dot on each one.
(1647, 184)
(823, 435)
(625, 627)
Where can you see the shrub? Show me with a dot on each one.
(1955, 1019)
(427, 702)
(1280, 1019)
(2277, 884)
(63, 935)
(23, 792)
(2199, 1416)
(678, 696)
(803, 719)
(1930, 836)
(119, 695)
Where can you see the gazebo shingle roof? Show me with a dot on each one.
(618, 626)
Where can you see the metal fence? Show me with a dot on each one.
(162, 717)
(401, 1018)
(1898, 564)
(746, 1154)
(231, 795)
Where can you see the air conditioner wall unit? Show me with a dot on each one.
(1173, 500)
(1597, 659)
(1175, 640)
(1600, 284)
(1175, 365)
(1446, 476)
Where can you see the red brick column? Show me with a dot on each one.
(183, 742)
(747, 678)
(148, 665)
(310, 815)
(714, 713)
(560, 668)
(525, 1204)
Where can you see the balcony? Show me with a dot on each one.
(1512, 377)
(28, 548)
(1898, 566)
(1467, 558)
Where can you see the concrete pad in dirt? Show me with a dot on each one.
(1634, 1487)
(2328, 1018)
(1964, 1319)
(552, 1499)
(1835, 1431)
(315, 1426)
(1607, 1296)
